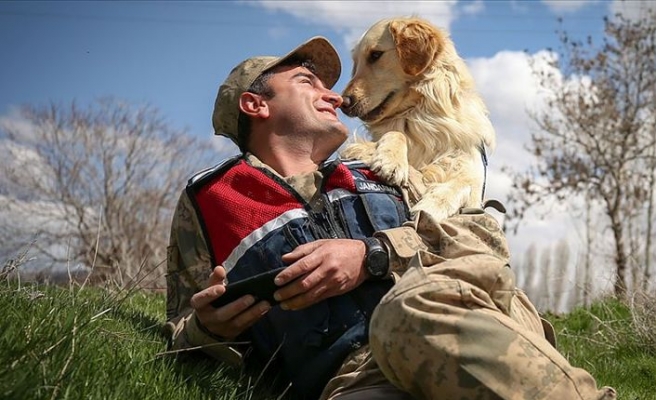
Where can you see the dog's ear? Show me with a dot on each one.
(417, 44)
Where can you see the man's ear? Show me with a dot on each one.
(253, 105)
(417, 44)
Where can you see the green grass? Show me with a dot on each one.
(603, 340)
(61, 343)
(89, 344)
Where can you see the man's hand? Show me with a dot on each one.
(324, 268)
(232, 319)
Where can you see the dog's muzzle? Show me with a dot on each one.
(347, 105)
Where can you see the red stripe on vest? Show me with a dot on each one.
(237, 203)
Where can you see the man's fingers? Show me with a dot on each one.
(316, 294)
(230, 310)
(214, 289)
(232, 319)
(217, 276)
(206, 296)
(247, 318)
(301, 267)
(299, 286)
(301, 251)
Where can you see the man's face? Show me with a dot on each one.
(303, 106)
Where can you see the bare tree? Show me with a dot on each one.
(595, 135)
(576, 296)
(546, 279)
(95, 186)
(651, 187)
(561, 266)
(527, 274)
(589, 231)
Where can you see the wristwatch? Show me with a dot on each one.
(376, 259)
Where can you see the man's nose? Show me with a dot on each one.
(334, 99)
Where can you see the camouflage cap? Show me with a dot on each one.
(226, 107)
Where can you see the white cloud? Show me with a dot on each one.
(473, 8)
(509, 88)
(352, 18)
(23, 159)
(519, 6)
(22, 222)
(570, 6)
(13, 121)
(224, 147)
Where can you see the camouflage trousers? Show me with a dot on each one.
(455, 327)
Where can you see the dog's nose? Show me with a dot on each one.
(347, 102)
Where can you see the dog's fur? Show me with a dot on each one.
(417, 99)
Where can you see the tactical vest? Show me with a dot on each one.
(250, 218)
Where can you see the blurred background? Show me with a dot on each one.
(105, 112)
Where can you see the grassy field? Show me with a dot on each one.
(91, 343)
(616, 345)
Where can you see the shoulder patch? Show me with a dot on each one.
(366, 186)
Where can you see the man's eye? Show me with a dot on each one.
(374, 56)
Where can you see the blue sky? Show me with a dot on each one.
(174, 55)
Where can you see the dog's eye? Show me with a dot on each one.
(374, 56)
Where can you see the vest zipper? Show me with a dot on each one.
(325, 220)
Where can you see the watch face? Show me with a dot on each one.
(376, 258)
(377, 263)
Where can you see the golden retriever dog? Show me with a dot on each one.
(417, 99)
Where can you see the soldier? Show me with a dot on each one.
(371, 304)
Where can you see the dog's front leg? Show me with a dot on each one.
(391, 158)
(442, 200)
(363, 151)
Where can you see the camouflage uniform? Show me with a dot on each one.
(456, 327)
(453, 326)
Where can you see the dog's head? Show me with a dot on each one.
(389, 62)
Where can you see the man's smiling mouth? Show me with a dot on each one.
(330, 111)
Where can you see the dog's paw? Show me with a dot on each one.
(389, 172)
(443, 200)
(390, 161)
(363, 151)
(438, 212)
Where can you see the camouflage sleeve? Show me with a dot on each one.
(419, 234)
(402, 243)
(188, 269)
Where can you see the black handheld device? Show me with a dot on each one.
(261, 286)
